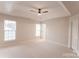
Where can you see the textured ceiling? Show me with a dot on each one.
(22, 9)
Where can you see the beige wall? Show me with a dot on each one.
(25, 28)
(57, 30)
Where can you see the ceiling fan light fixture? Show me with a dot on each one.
(39, 14)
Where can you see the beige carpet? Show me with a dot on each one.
(34, 49)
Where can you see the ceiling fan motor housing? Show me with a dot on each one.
(39, 10)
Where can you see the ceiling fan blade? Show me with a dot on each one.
(32, 10)
(45, 11)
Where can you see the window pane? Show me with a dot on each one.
(9, 25)
(38, 29)
(43, 31)
(6, 35)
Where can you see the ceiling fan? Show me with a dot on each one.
(40, 11)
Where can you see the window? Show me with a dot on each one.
(38, 30)
(9, 30)
(41, 30)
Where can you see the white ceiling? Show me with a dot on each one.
(22, 9)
